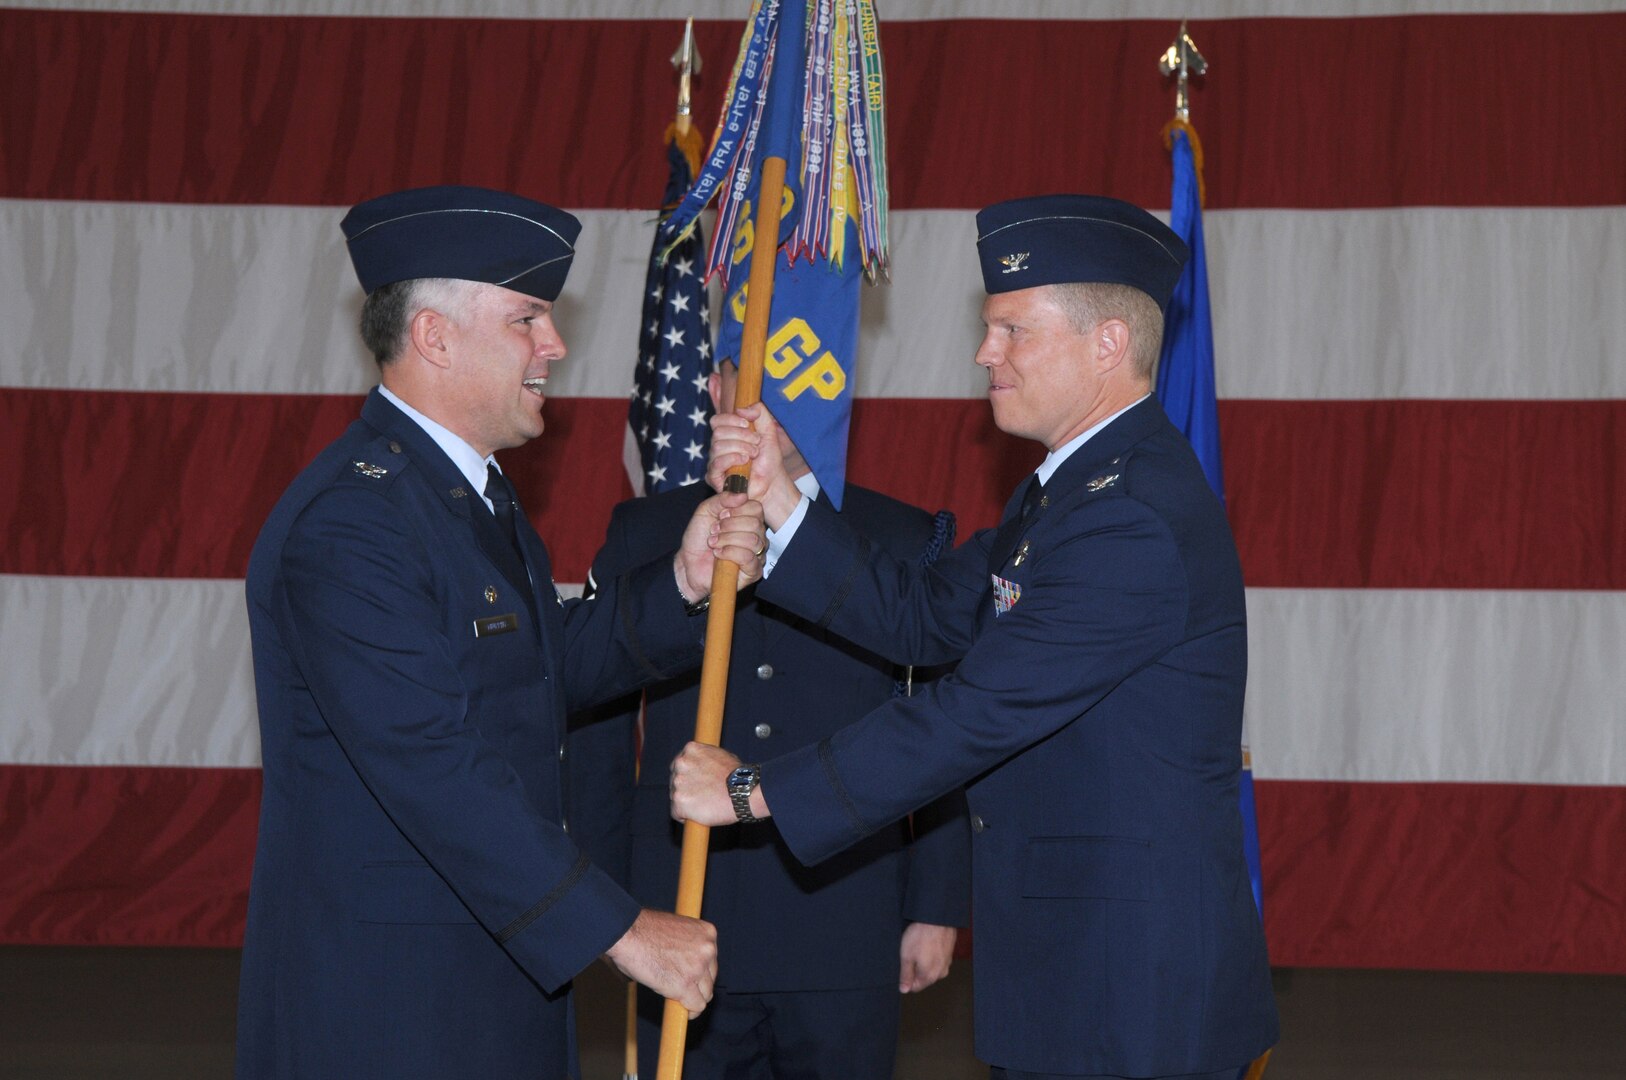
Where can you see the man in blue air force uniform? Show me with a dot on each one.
(810, 959)
(1095, 715)
(417, 909)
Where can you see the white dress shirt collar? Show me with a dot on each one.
(1053, 460)
(465, 457)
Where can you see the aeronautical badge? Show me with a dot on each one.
(371, 472)
(1101, 483)
(1006, 594)
(1013, 262)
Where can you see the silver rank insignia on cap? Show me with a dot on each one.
(491, 595)
(1101, 483)
(1013, 262)
(371, 472)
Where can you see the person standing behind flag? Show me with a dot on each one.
(810, 961)
(1095, 715)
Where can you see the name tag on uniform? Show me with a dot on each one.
(496, 624)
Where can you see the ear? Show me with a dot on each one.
(428, 331)
(1111, 340)
(714, 387)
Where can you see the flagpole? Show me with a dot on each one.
(708, 725)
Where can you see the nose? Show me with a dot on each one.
(987, 354)
(549, 343)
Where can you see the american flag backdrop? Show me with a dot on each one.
(1416, 234)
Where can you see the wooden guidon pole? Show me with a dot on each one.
(708, 724)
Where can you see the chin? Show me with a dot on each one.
(1005, 423)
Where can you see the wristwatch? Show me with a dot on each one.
(741, 782)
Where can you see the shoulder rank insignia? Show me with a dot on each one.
(1101, 483)
(1013, 262)
(371, 472)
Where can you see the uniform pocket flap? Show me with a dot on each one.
(406, 892)
(1093, 867)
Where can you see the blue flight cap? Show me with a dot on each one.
(1056, 239)
(469, 233)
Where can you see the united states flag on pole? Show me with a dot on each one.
(668, 416)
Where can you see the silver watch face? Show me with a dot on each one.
(743, 779)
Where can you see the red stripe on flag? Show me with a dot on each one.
(1428, 494)
(1323, 494)
(126, 856)
(1312, 113)
(1504, 877)
(1473, 877)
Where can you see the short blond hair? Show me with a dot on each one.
(1087, 304)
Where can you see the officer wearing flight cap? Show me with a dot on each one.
(1095, 715)
(417, 908)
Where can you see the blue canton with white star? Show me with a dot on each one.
(670, 411)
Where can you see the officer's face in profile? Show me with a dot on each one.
(1041, 382)
(502, 344)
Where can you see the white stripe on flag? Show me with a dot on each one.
(1365, 685)
(1411, 303)
(1492, 686)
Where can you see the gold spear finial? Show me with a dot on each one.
(1182, 60)
(687, 62)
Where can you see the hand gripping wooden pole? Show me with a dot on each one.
(708, 724)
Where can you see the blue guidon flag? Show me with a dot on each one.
(668, 418)
(807, 87)
(1185, 387)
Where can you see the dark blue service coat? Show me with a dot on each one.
(781, 925)
(1096, 722)
(416, 908)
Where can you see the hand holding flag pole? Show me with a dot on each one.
(708, 726)
(725, 574)
(798, 167)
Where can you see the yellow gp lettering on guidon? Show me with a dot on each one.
(790, 348)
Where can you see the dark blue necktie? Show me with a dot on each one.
(1033, 497)
(501, 494)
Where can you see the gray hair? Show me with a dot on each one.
(386, 314)
(1087, 304)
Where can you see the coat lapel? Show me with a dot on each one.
(1100, 451)
(460, 500)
